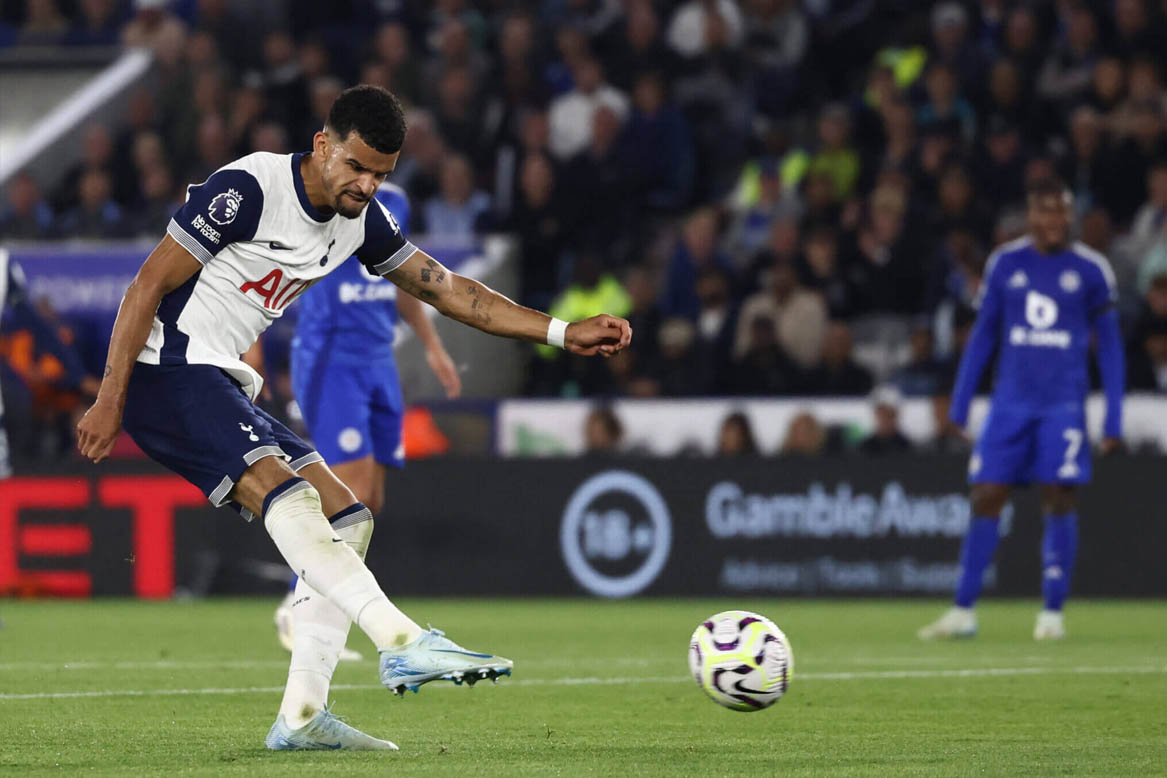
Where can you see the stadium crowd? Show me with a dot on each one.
(779, 204)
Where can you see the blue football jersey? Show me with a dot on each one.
(1039, 311)
(349, 316)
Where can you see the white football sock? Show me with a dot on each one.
(328, 565)
(320, 631)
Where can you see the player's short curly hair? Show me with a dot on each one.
(373, 113)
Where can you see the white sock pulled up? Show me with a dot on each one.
(328, 565)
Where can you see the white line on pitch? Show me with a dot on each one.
(596, 681)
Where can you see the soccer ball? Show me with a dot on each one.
(741, 660)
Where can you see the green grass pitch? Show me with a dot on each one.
(600, 688)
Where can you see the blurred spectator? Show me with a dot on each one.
(154, 27)
(602, 215)
(643, 315)
(1065, 76)
(777, 38)
(716, 319)
(638, 47)
(837, 374)
(924, 375)
(603, 432)
(284, 89)
(755, 211)
(1023, 42)
(419, 166)
(835, 155)
(681, 367)
(25, 214)
(158, 202)
(799, 316)
(96, 154)
(736, 436)
(1150, 223)
(457, 113)
(805, 436)
(1002, 165)
(700, 28)
(951, 44)
(393, 49)
(888, 269)
(457, 211)
(957, 206)
(270, 137)
(98, 25)
(763, 369)
(1147, 350)
(696, 251)
(1135, 31)
(541, 224)
(1009, 100)
(886, 438)
(231, 31)
(593, 292)
(819, 271)
(322, 93)
(656, 148)
(1146, 145)
(946, 111)
(96, 215)
(946, 438)
(43, 25)
(571, 114)
(456, 50)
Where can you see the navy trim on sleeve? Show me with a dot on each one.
(223, 209)
(385, 249)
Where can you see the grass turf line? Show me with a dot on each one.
(874, 700)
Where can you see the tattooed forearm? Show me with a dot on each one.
(433, 272)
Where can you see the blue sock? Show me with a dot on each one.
(1059, 548)
(975, 554)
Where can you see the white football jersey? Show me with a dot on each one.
(261, 244)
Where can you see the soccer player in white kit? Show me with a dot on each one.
(248, 241)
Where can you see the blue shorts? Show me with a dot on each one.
(350, 411)
(1022, 447)
(196, 420)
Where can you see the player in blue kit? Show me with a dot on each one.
(345, 378)
(1040, 300)
(248, 241)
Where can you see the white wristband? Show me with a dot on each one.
(556, 331)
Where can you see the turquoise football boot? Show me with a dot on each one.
(434, 657)
(325, 732)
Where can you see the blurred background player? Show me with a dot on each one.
(1041, 298)
(19, 313)
(345, 378)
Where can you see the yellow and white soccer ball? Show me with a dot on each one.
(741, 660)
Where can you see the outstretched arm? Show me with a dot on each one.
(167, 268)
(1111, 364)
(479, 306)
(413, 313)
(979, 350)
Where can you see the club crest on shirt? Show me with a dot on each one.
(225, 207)
(1070, 281)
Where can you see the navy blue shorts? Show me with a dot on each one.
(196, 420)
(350, 411)
(1020, 447)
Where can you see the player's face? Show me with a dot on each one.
(1049, 220)
(351, 171)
